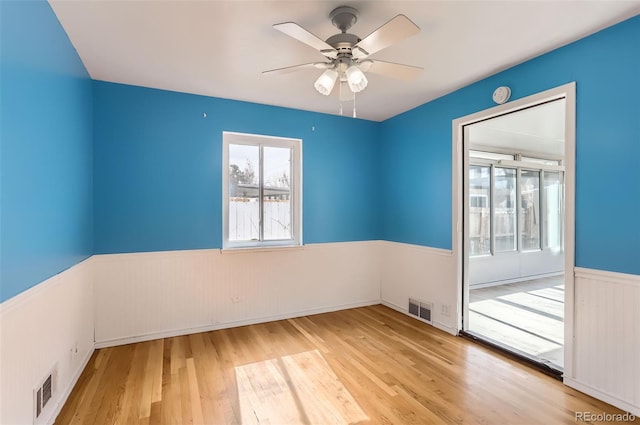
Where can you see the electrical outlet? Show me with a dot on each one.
(74, 351)
(445, 310)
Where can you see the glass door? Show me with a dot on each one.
(513, 232)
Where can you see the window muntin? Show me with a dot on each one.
(261, 191)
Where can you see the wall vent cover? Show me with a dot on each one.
(414, 307)
(44, 392)
(420, 309)
(425, 311)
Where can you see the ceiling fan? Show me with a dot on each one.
(348, 56)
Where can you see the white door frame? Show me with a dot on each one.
(460, 169)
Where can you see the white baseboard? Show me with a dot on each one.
(72, 383)
(593, 392)
(218, 326)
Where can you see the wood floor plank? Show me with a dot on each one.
(131, 396)
(204, 371)
(194, 393)
(370, 365)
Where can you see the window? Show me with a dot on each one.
(553, 205)
(261, 191)
(480, 210)
(505, 210)
(530, 210)
(514, 209)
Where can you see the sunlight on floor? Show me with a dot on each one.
(297, 389)
(526, 316)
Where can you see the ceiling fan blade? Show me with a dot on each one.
(288, 69)
(395, 70)
(393, 31)
(296, 31)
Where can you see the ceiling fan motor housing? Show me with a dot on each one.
(343, 18)
(343, 42)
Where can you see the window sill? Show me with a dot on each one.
(254, 249)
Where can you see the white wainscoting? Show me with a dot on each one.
(132, 297)
(607, 337)
(49, 324)
(422, 273)
(490, 270)
(145, 296)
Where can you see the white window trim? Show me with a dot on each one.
(296, 189)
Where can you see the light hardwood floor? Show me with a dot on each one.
(366, 365)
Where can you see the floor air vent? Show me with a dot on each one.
(420, 309)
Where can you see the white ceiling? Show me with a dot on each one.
(538, 130)
(219, 48)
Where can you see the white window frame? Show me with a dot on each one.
(232, 138)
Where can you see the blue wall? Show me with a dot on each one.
(45, 166)
(158, 169)
(416, 149)
(155, 180)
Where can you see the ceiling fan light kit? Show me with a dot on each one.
(356, 79)
(347, 55)
(325, 82)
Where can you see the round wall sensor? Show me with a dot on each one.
(501, 95)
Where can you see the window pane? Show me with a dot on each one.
(505, 210)
(553, 195)
(479, 210)
(244, 208)
(277, 193)
(530, 209)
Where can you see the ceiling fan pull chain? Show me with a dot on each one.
(340, 98)
(354, 105)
